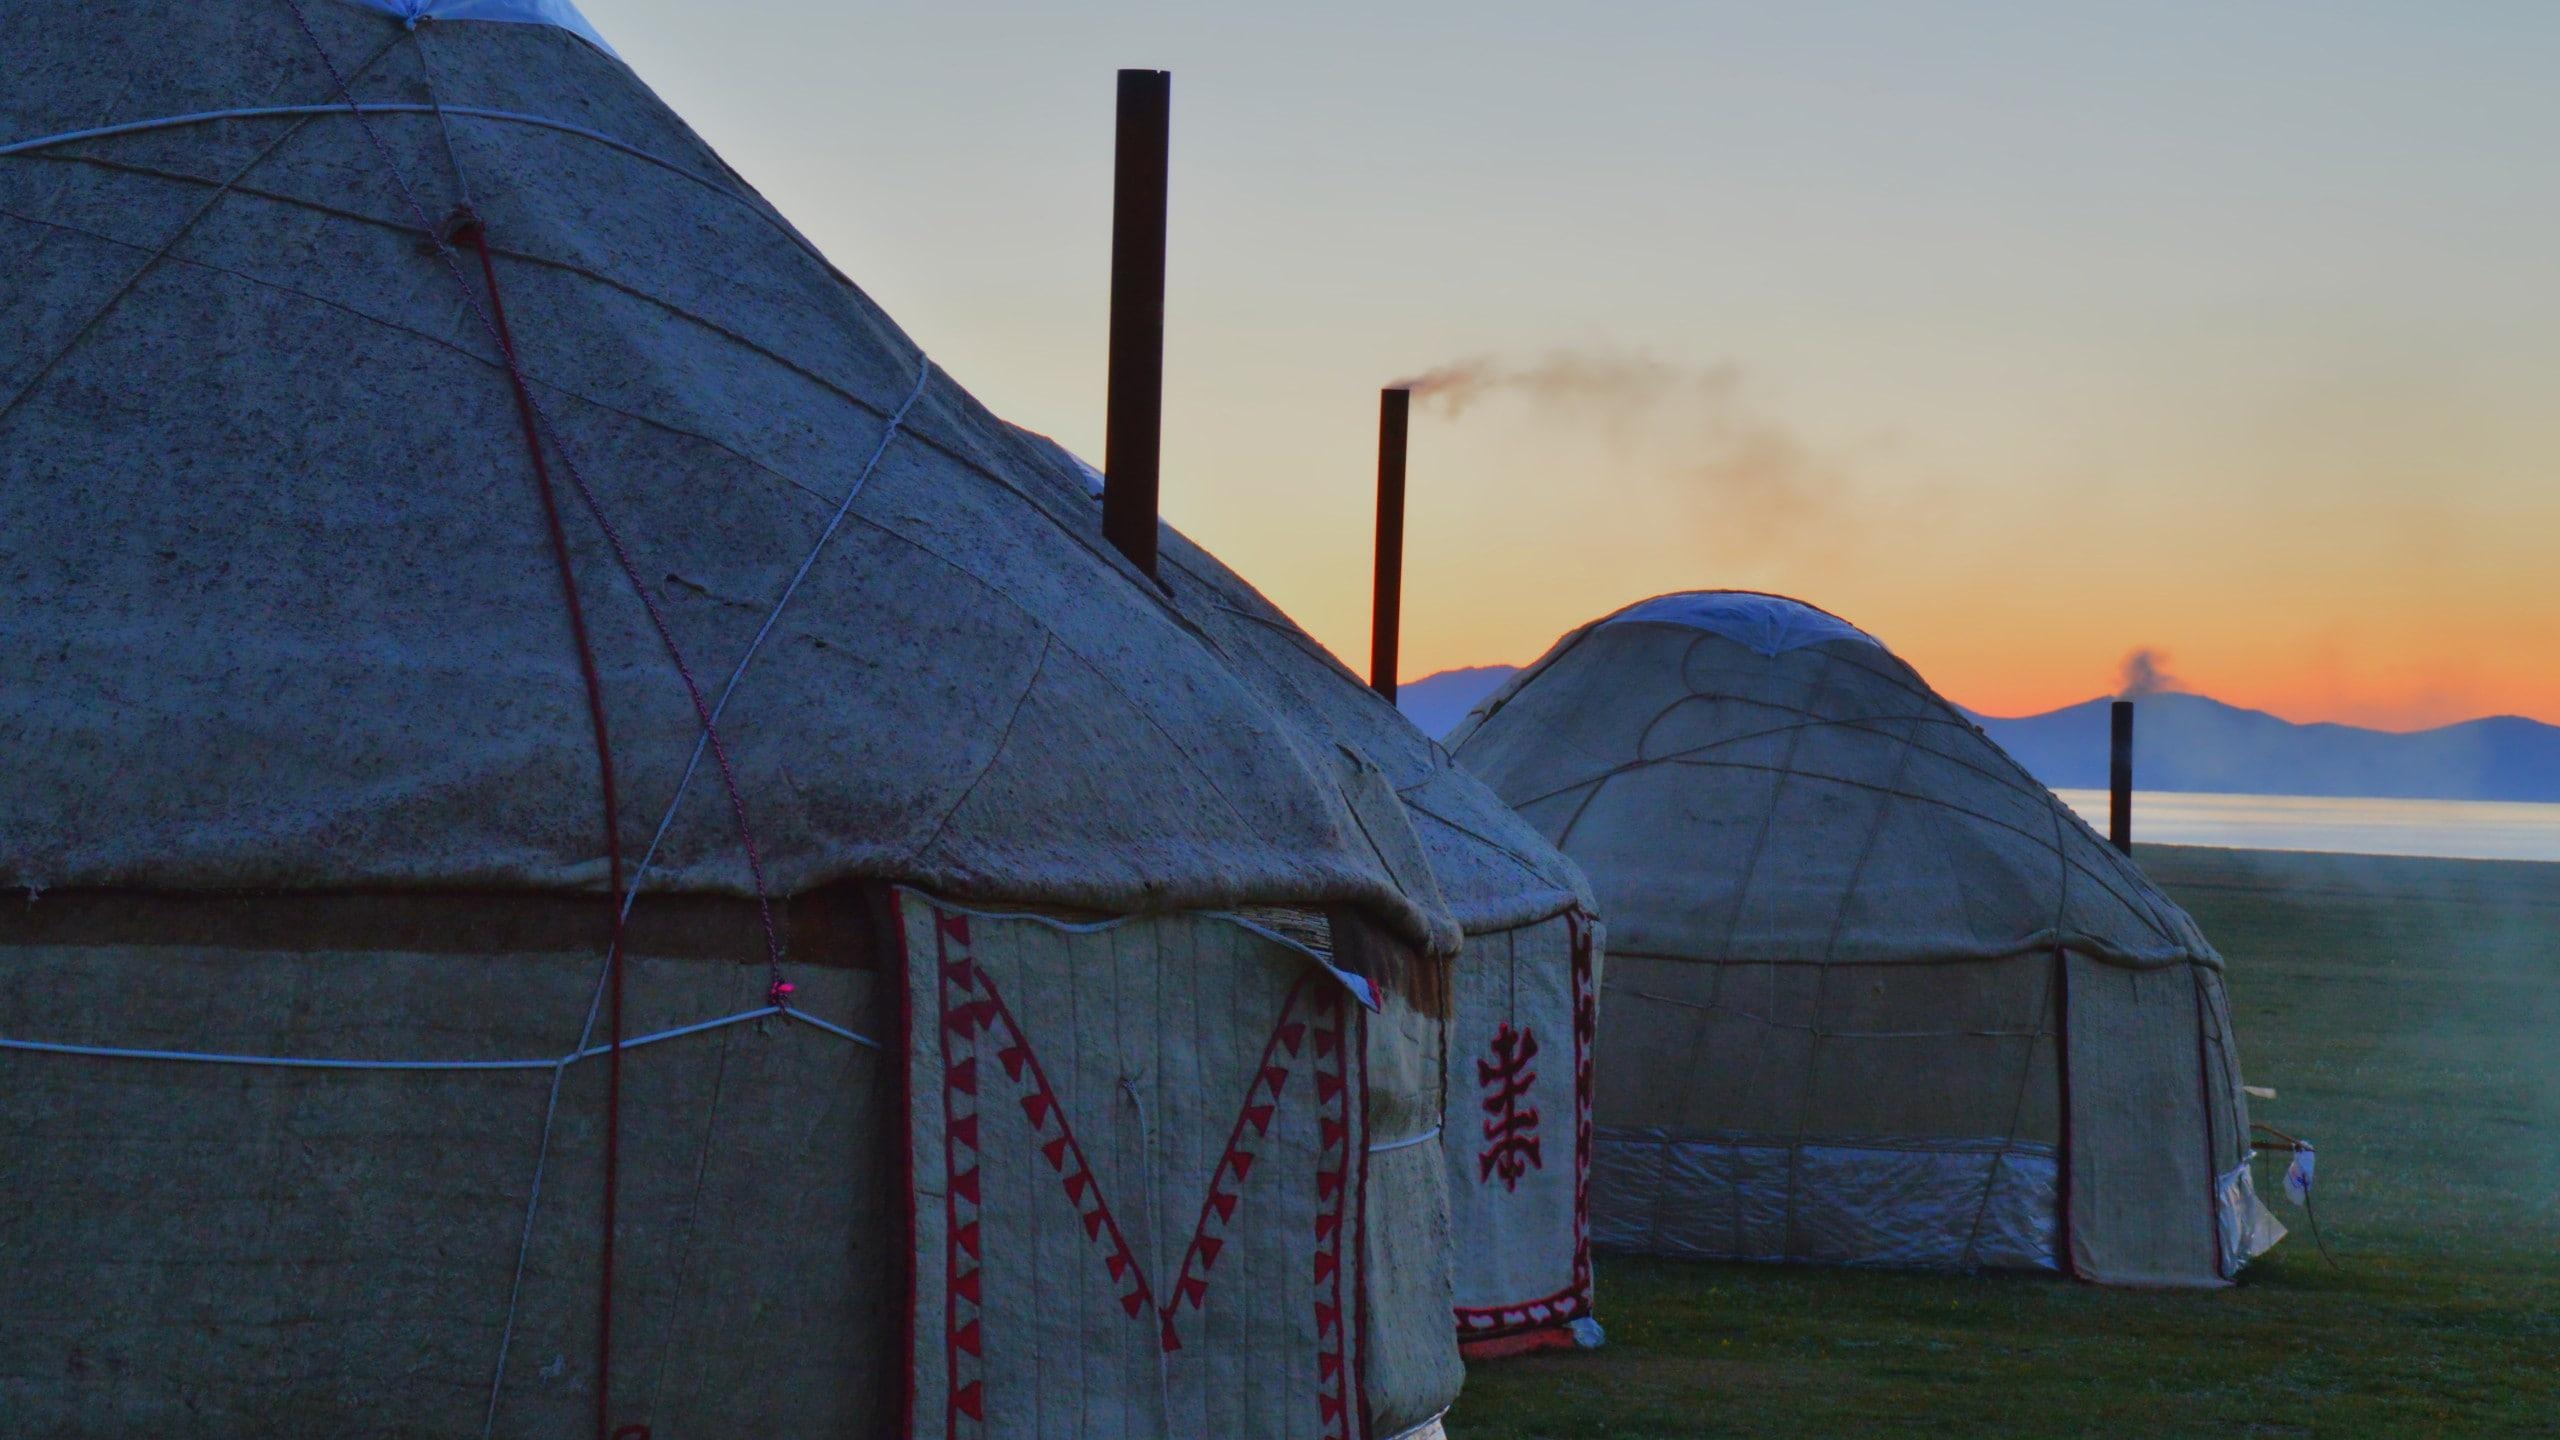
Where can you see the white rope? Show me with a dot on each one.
(702, 741)
(476, 112)
(1383, 1146)
(1361, 989)
(805, 1018)
(559, 1068)
(1359, 986)
(1155, 1245)
(371, 107)
(1054, 922)
(444, 129)
(299, 1062)
(533, 1196)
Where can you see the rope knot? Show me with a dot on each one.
(780, 995)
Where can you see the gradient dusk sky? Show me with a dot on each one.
(2022, 335)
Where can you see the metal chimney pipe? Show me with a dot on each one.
(2120, 776)
(1386, 609)
(1133, 437)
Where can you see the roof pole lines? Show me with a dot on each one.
(1386, 612)
(1133, 441)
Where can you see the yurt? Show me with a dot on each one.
(1524, 1005)
(588, 850)
(1876, 997)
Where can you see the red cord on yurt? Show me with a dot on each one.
(530, 415)
(469, 231)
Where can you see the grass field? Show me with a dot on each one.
(2408, 1013)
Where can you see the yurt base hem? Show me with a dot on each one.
(1185, 1199)
(1517, 1342)
(1478, 1328)
(1928, 1204)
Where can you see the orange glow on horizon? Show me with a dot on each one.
(2018, 389)
(1983, 679)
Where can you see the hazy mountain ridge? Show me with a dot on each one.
(1436, 703)
(2194, 742)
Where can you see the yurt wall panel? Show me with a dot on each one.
(1409, 1369)
(1155, 1126)
(2142, 1179)
(2141, 1167)
(1520, 1081)
(1952, 1050)
(227, 1248)
(1768, 1111)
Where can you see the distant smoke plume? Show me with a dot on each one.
(1570, 379)
(1757, 480)
(2146, 673)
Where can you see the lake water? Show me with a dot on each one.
(2458, 829)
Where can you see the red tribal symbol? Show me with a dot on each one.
(1510, 1128)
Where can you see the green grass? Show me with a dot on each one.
(2408, 1012)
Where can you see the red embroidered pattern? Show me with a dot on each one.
(1510, 1128)
(1586, 1031)
(1574, 1301)
(973, 1010)
(1333, 1188)
(961, 1295)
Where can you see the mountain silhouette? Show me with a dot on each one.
(2193, 742)
(1436, 703)
(2196, 743)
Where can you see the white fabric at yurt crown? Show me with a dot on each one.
(366, 664)
(1766, 798)
(279, 618)
(1531, 949)
(1765, 623)
(523, 12)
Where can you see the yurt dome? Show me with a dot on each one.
(1876, 996)
(1523, 1006)
(453, 531)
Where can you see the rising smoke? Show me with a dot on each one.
(2146, 673)
(1591, 381)
(1756, 479)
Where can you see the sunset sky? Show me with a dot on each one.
(2022, 335)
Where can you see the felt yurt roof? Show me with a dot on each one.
(277, 602)
(1746, 777)
(1494, 870)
